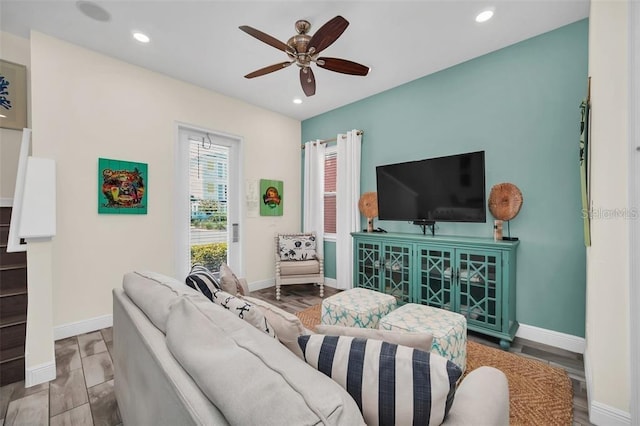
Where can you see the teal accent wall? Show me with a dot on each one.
(519, 105)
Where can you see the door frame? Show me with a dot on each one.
(182, 207)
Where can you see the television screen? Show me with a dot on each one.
(443, 189)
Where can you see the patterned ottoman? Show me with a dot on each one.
(449, 329)
(357, 307)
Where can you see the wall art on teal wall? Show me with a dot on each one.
(122, 187)
(584, 164)
(271, 193)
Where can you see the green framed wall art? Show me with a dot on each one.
(271, 192)
(122, 187)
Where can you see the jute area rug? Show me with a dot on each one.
(538, 393)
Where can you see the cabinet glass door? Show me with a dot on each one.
(367, 265)
(435, 278)
(479, 296)
(397, 271)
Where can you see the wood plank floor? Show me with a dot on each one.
(82, 393)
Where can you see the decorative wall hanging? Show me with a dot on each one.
(13, 95)
(271, 194)
(584, 163)
(122, 187)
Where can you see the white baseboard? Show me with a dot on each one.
(80, 327)
(331, 282)
(259, 285)
(6, 202)
(556, 339)
(602, 414)
(41, 373)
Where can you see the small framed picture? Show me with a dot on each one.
(13, 95)
(122, 187)
(271, 197)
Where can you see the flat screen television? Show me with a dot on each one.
(442, 189)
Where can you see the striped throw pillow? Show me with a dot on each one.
(392, 384)
(202, 280)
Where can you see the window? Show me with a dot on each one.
(330, 174)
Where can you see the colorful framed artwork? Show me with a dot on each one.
(13, 95)
(271, 197)
(122, 187)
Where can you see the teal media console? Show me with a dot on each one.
(475, 277)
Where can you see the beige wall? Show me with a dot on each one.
(87, 105)
(607, 325)
(14, 49)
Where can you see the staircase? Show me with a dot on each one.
(13, 306)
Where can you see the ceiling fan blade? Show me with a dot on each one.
(265, 38)
(343, 66)
(327, 34)
(308, 81)
(267, 70)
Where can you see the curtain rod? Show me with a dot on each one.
(325, 141)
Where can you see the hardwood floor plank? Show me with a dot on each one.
(29, 410)
(79, 416)
(68, 391)
(97, 368)
(91, 344)
(104, 405)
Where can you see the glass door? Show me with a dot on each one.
(208, 218)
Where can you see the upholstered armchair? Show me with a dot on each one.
(297, 261)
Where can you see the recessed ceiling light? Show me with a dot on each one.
(297, 101)
(93, 11)
(141, 37)
(3, 116)
(485, 15)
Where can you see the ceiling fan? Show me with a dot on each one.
(303, 50)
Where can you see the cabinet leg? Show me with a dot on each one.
(505, 344)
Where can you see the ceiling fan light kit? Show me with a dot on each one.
(304, 50)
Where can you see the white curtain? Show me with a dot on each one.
(348, 215)
(313, 219)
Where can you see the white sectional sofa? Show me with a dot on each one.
(175, 353)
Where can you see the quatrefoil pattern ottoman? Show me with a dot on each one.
(357, 307)
(449, 329)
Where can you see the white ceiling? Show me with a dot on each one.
(199, 41)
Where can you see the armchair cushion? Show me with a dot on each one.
(297, 247)
(301, 267)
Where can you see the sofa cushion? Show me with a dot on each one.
(297, 247)
(154, 294)
(229, 282)
(251, 378)
(414, 340)
(391, 384)
(202, 280)
(243, 310)
(301, 267)
(288, 327)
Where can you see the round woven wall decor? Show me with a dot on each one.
(505, 200)
(368, 206)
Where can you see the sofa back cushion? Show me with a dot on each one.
(297, 246)
(154, 294)
(249, 376)
(391, 384)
